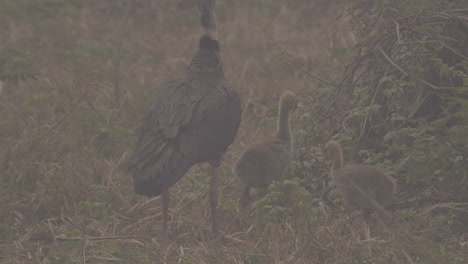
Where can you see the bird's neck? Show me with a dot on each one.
(207, 62)
(283, 130)
(337, 162)
(208, 18)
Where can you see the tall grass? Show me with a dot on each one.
(64, 138)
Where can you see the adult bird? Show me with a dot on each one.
(189, 120)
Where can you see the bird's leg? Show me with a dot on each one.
(214, 198)
(366, 214)
(245, 198)
(366, 219)
(247, 193)
(165, 199)
(385, 218)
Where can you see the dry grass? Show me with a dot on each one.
(64, 136)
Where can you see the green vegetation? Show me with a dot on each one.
(392, 86)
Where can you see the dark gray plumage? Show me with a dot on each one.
(189, 120)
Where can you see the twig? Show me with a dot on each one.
(90, 104)
(453, 50)
(12, 109)
(458, 10)
(407, 74)
(456, 147)
(410, 15)
(407, 256)
(246, 254)
(60, 239)
(117, 52)
(346, 29)
(306, 71)
(67, 114)
(314, 158)
(448, 11)
(105, 258)
(112, 238)
(452, 206)
(409, 42)
(373, 239)
(49, 225)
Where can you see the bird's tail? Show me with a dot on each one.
(154, 171)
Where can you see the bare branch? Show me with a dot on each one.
(117, 52)
(407, 74)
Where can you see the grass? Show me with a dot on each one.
(64, 197)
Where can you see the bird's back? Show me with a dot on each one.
(189, 120)
(215, 119)
(263, 163)
(357, 183)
